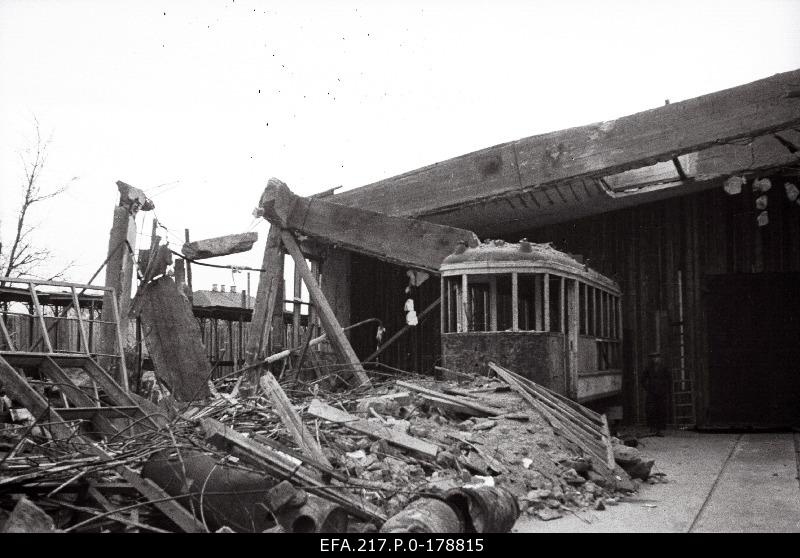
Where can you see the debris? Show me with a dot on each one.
(323, 411)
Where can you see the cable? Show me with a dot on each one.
(231, 267)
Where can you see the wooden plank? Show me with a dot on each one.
(607, 442)
(406, 242)
(537, 301)
(598, 149)
(219, 246)
(449, 405)
(484, 409)
(326, 314)
(395, 437)
(173, 339)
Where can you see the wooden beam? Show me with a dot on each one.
(326, 314)
(493, 302)
(219, 246)
(321, 410)
(598, 149)
(406, 242)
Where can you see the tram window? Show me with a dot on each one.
(528, 303)
(479, 305)
(452, 301)
(555, 303)
(504, 321)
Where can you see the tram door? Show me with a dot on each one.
(754, 349)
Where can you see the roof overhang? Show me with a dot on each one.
(665, 152)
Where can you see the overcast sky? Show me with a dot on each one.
(199, 103)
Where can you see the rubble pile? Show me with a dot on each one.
(395, 453)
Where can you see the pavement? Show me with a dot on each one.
(717, 483)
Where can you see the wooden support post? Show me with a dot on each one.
(595, 315)
(269, 282)
(40, 317)
(326, 314)
(546, 301)
(188, 269)
(445, 307)
(561, 305)
(514, 301)
(572, 338)
(81, 325)
(122, 370)
(586, 308)
(464, 303)
(297, 307)
(493, 302)
(537, 301)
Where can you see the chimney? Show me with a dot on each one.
(214, 288)
(233, 288)
(222, 288)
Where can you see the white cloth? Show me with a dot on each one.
(409, 306)
(411, 318)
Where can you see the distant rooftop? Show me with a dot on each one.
(219, 299)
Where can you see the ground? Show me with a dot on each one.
(717, 483)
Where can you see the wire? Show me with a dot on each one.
(231, 267)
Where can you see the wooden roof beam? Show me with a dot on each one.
(601, 149)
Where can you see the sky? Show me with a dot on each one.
(199, 103)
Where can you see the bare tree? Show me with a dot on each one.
(26, 257)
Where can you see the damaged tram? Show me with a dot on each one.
(536, 311)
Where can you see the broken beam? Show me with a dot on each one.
(406, 242)
(219, 246)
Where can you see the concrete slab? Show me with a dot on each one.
(693, 463)
(757, 491)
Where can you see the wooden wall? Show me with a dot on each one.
(645, 247)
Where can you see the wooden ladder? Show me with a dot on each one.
(683, 414)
